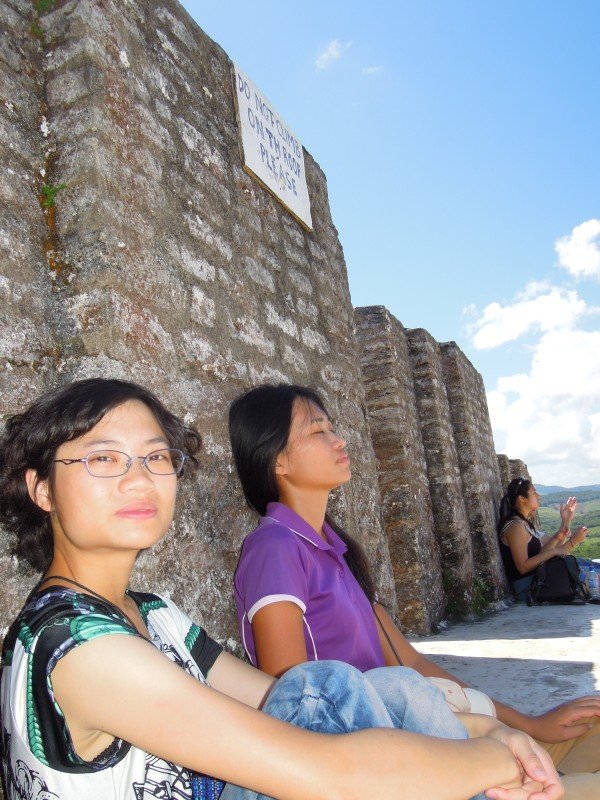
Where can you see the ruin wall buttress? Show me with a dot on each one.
(438, 473)
(403, 482)
(450, 517)
(510, 468)
(478, 467)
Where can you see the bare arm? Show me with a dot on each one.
(193, 725)
(556, 725)
(279, 637)
(239, 680)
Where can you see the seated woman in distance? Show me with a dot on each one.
(522, 548)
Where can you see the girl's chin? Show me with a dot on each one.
(143, 539)
(342, 481)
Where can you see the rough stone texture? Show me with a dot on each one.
(504, 470)
(478, 467)
(28, 353)
(439, 476)
(518, 469)
(163, 262)
(511, 468)
(450, 518)
(402, 469)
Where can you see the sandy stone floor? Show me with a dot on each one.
(533, 658)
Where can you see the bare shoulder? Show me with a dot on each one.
(100, 666)
(515, 530)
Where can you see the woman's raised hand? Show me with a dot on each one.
(567, 511)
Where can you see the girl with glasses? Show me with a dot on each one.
(113, 694)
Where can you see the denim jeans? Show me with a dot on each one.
(332, 697)
(521, 587)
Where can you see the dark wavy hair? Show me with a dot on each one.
(31, 439)
(518, 487)
(259, 429)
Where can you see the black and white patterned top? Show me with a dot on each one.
(38, 759)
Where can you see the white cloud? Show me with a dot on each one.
(539, 306)
(549, 414)
(332, 52)
(549, 417)
(533, 289)
(371, 70)
(579, 252)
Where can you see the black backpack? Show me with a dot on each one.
(557, 581)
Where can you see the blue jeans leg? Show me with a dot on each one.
(331, 697)
(521, 587)
(414, 704)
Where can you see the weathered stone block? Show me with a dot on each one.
(402, 469)
(518, 469)
(451, 523)
(478, 466)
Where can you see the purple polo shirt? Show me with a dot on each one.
(284, 559)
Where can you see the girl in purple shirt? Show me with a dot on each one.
(303, 588)
(286, 561)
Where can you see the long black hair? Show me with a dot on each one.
(31, 439)
(518, 487)
(259, 428)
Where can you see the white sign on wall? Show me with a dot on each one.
(270, 151)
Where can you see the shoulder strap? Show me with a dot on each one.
(573, 571)
(529, 528)
(389, 641)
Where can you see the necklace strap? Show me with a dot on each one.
(101, 597)
(86, 589)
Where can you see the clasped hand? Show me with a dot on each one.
(537, 780)
(579, 535)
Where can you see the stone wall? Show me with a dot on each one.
(518, 469)
(450, 518)
(478, 467)
(438, 473)
(27, 344)
(511, 468)
(405, 494)
(163, 262)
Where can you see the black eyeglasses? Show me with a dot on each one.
(113, 463)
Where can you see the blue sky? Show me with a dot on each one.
(460, 143)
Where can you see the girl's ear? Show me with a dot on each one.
(279, 468)
(39, 491)
(281, 464)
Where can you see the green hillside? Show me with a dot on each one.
(588, 513)
(576, 490)
(583, 496)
